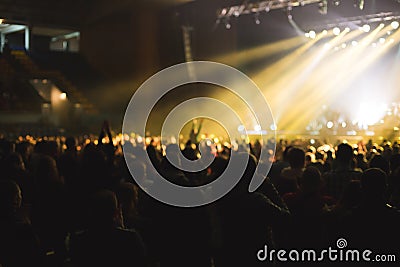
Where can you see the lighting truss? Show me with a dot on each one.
(357, 21)
(263, 6)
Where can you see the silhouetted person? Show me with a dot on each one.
(19, 246)
(373, 224)
(290, 175)
(307, 207)
(342, 172)
(246, 221)
(105, 243)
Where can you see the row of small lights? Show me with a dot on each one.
(336, 31)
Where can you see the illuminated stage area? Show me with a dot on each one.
(335, 78)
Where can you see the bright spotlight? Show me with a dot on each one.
(257, 128)
(394, 24)
(354, 43)
(63, 96)
(312, 34)
(382, 40)
(329, 124)
(1, 21)
(360, 4)
(241, 128)
(347, 29)
(324, 32)
(336, 31)
(257, 19)
(344, 45)
(344, 124)
(227, 25)
(307, 34)
(366, 28)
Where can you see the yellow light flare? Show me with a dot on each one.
(248, 55)
(300, 83)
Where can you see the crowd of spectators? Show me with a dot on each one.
(72, 202)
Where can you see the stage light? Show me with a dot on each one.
(366, 28)
(354, 43)
(394, 24)
(344, 45)
(336, 2)
(257, 128)
(323, 7)
(347, 29)
(227, 25)
(256, 19)
(236, 13)
(1, 21)
(336, 31)
(241, 128)
(382, 40)
(289, 12)
(307, 34)
(359, 4)
(63, 96)
(312, 34)
(344, 124)
(329, 124)
(324, 32)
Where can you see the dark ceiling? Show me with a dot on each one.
(71, 13)
(74, 14)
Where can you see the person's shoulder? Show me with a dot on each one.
(127, 234)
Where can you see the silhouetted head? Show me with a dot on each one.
(394, 162)
(378, 161)
(296, 157)
(103, 209)
(344, 153)
(310, 181)
(46, 171)
(127, 195)
(70, 142)
(373, 183)
(10, 197)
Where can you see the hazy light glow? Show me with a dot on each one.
(369, 113)
(394, 24)
(63, 96)
(366, 28)
(336, 31)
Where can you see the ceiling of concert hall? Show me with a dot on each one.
(71, 13)
(75, 13)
